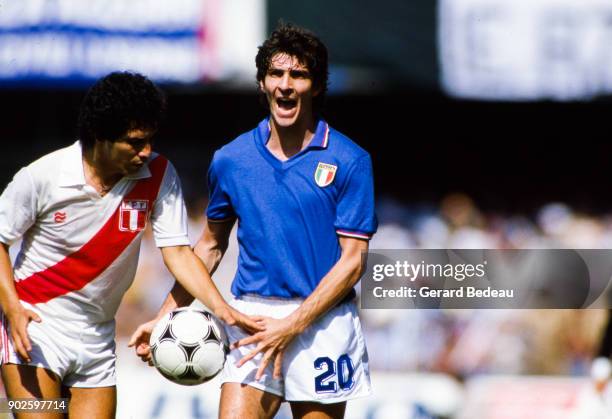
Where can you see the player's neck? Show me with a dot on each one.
(97, 173)
(286, 142)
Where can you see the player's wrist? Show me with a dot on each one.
(165, 309)
(223, 311)
(297, 324)
(12, 309)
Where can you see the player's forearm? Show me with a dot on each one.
(9, 300)
(178, 297)
(332, 289)
(211, 253)
(192, 275)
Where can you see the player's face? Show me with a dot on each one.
(130, 152)
(289, 90)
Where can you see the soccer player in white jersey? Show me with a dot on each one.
(303, 196)
(81, 212)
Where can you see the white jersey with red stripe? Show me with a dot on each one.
(80, 251)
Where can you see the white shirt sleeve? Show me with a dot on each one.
(18, 207)
(169, 216)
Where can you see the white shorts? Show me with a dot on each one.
(83, 358)
(328, 363)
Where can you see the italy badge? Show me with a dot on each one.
(325, 173)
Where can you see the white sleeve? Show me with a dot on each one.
(169, 217)
(18, 205)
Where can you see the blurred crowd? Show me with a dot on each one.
(457, 342)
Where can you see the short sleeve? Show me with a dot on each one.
(219, 206)
(355, 216)
(169, 217)
(18, 207)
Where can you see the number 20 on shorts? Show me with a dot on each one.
(335, 374)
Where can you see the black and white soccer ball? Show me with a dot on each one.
(188, 346)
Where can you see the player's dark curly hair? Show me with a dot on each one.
(117, 103)
(306, 47)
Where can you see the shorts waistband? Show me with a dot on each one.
(253, 298)
(283, 301)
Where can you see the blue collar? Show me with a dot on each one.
(320, 139)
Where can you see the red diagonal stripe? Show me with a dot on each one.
(83, 266)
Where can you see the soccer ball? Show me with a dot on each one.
(188, 346)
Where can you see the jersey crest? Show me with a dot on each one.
(133, 214)
(325, 174)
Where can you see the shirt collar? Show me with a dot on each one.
(72, 173)
(319, 140)
(321, 136)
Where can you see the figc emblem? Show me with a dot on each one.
(325, 173)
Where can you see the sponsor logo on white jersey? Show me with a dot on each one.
(59, 217)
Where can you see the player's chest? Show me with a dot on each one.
(307, 184)
(81, 211)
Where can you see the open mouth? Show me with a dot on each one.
(286, 104)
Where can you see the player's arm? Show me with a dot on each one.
(191, 273)
(335, 285)
(332, 289)
(210, 249)
(212, 244)
(18, 212)
(17, 315)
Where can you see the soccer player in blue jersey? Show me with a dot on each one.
(302, 194)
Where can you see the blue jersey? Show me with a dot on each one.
(290, 213)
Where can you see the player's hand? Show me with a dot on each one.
(272, 342)
(232, 317)
(18, 319)
(140, 341)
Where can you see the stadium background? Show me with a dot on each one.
(466, 154)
